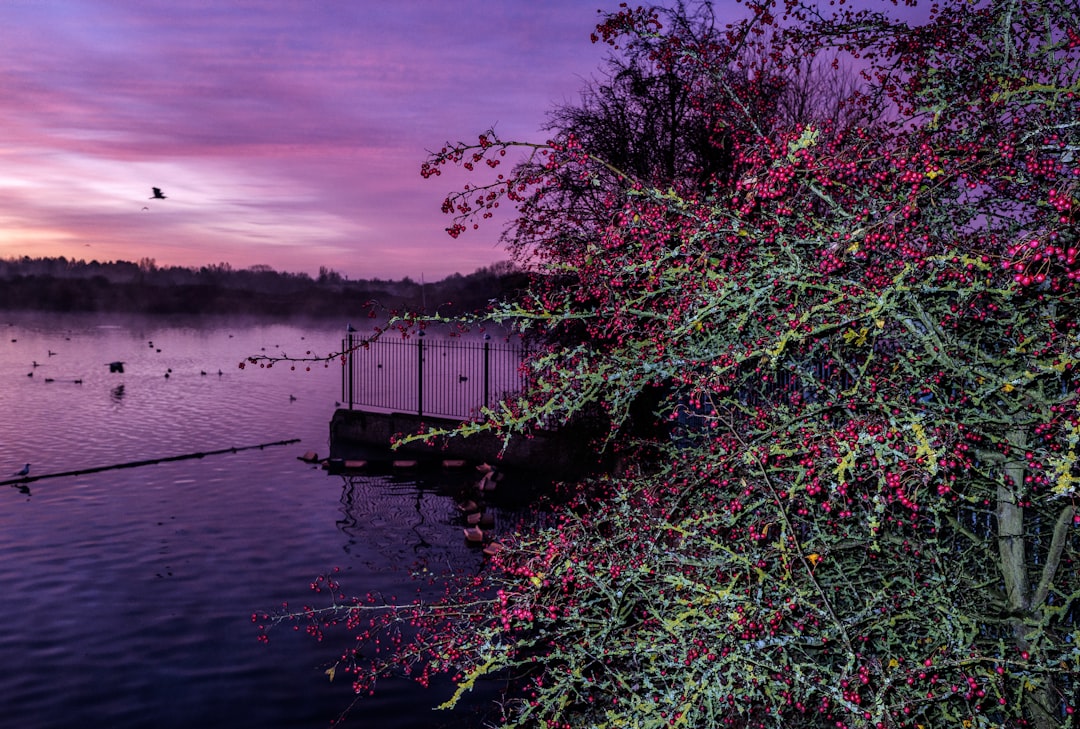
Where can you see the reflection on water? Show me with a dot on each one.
(374, 508)
(365, 515)
(127, 593)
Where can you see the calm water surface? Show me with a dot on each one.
(127, 594)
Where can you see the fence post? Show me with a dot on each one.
(487, 372)
(420, 376)
(347, 368)
(352, 366)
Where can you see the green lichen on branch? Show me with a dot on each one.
(841, 378)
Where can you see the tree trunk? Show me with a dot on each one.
(1012, 554)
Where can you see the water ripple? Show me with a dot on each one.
(127, 593)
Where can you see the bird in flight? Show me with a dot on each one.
(158, 194)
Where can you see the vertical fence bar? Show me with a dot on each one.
(487, 374)
(350, 368)
(420, 377)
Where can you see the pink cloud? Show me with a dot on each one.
(284, 133)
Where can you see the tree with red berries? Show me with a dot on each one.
(862, 510)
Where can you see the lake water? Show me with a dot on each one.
(127, 594)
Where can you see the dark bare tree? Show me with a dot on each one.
(668, 111)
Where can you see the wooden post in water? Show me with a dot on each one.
(22, 480)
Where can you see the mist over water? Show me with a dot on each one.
(127, 593)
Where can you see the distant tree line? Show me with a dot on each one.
(62, 284)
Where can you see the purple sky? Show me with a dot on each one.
(284, 132)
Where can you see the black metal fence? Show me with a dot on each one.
(451, 378)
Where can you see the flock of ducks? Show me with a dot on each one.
(117, 367)
(35, 364)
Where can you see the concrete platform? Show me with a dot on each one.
(360, 435)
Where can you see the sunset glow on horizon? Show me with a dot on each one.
(282, 133)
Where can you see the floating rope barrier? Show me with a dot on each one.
(149, 462)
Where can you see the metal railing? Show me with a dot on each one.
(450, 378)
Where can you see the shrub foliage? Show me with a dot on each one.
(857, 508)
